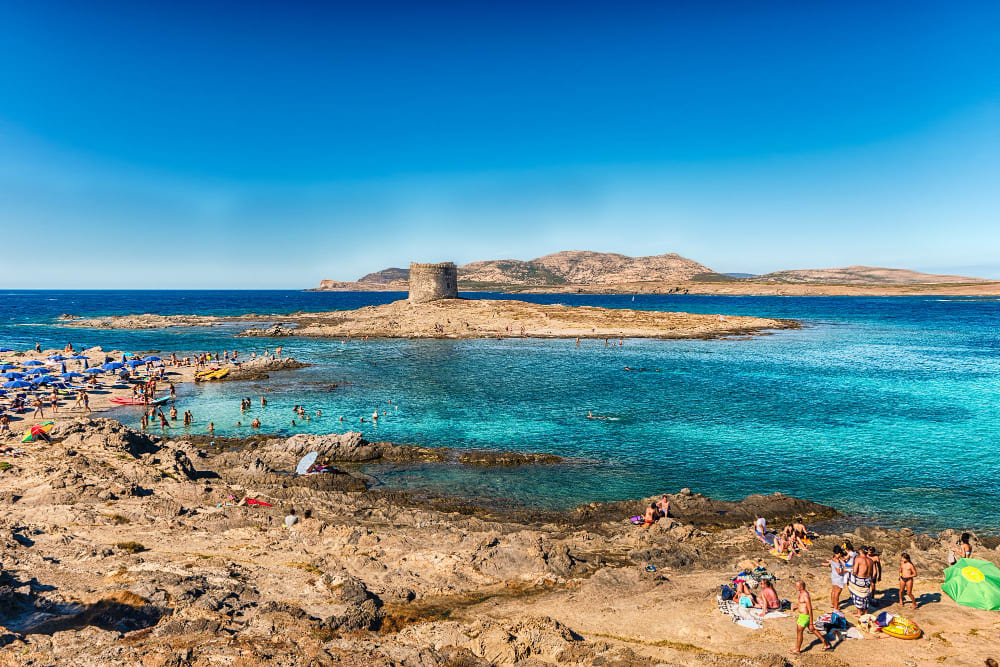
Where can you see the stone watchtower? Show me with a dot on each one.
(430, 282)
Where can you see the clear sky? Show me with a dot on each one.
(257, 145)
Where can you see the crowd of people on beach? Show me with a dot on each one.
(859, 571)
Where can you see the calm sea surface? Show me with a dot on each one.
(885, 407)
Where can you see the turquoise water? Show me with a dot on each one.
(887, 407)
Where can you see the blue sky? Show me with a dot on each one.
(258, 145)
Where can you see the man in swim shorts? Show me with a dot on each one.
(805, 618)
(859, 582)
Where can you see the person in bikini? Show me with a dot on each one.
(805, 619)
(907, 573)
(652, 514)
(768, 598)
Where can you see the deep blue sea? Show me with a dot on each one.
(884, 407)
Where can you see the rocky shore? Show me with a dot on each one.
(472, 318)
(116, 552)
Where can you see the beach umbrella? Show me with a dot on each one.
(91, 371)
(135, 362)
(307, 460)
(33, 362)
(16, 384)
(11, 375)
(36, 371)
(7, 367)
(972, 582)
(71, 375)
(57, 357)
(78, 356)
(152, 359)
(5, 349)
(39, 431)
(112, 366)
(44, 379)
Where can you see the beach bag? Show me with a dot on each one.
(727, 592)
(884, 619)
(636, 520)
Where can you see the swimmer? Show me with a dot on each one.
(375, 416)
(319, 413)
(341, 417)
(293, 422)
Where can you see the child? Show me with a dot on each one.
(907, 573)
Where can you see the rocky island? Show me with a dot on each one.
(433, 310)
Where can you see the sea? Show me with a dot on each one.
(886, 408)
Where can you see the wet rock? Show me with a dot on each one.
(491, 458)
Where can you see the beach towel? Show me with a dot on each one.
(861, 590)
(252, 501)
(778, 554)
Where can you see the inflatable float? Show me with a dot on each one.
(123, 400)
(902, 628)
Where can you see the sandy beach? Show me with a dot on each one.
(109, 385)
(125, 548)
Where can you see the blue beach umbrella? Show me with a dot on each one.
(152, 359)
(91, 371)
(36, 371)
(78, 356)
(112, 366)
(135, 362)
(57, 357)
(71, 375)
(7, 367)
(5, 349)
(16, 384)
(12, 376)
(43, 379)
(33, 362)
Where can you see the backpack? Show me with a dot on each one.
(727, 592)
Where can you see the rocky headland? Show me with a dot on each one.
(475, 318)
(121, 548)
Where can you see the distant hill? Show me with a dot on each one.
(862, 275)
(386, 277)
(582, 267)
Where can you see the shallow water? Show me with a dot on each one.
(887, 407)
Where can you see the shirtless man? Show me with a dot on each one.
(799, 528)
(805, 618)
(664, 506)
(859, 582)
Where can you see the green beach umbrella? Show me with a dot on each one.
(973, 583)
